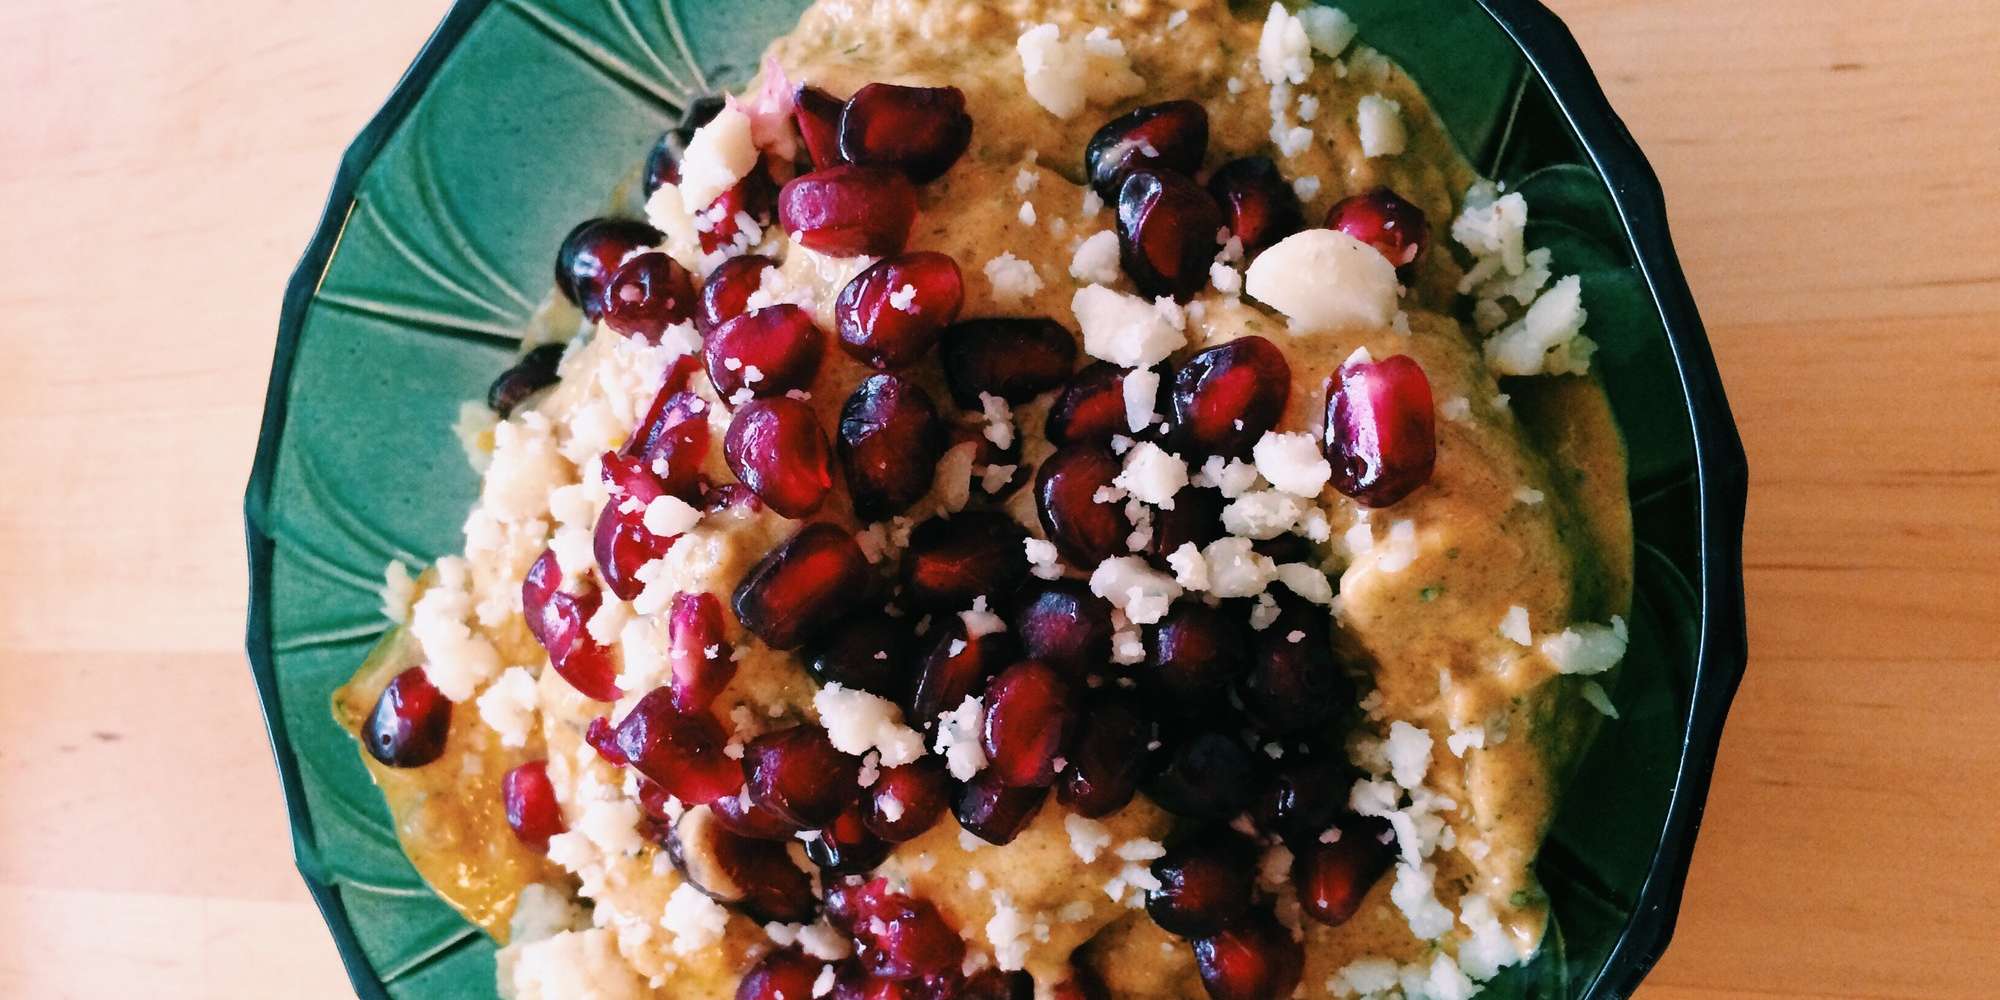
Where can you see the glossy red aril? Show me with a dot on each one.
(1207, 776)
(535, 371)
(785, 974)
(557, 618)
(1030, 711)
(1226, 397)
(1205, 884)
(907, 938)
(622, 545)
(1015, 359)
(1196, 518)
(951, 561)
(1063, 624)
(698, 651)
(1170, 136)
(1090, 408)
(1166, 232)
(757, 875)
(1254, 960)
(1383, 220)
(1086, 531)
(776, 448)
(994, 811)
(851, 902)
(769, 352)
(682, 751)
(529, 800)
(748, 819)
(408, 725)
(754, 197)
(591, 251)
(955, 666)
(849, 210)
(667, 455)
(603, 738)
(647, 294)
(1258, 205)
(1294, 683)
(798, 775)
(847, 846)
(812, 580)
(921, 131)
(867, 652)
(1333, 878)
(726, 293)
(1192, 656)
(891, 438)
(1107, 758)
(889, 315)
(817, 115)
(908, 800)
(1303, 797)
(663, 164)
(1381, 429)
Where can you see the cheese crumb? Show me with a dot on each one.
(1381, 125)
(858, 722)
(1013, 279)
(1064, 75)
(1328, 28)
(1292, 462)
(1514, 625)
(509, 705)
(697, 922)
(1124, 329)
(1152, 474)
(718, 155)
(1087, 837)
(958, 738)
(1284, 51)
(1134, 587)
(1587, 648)
(1096, 259)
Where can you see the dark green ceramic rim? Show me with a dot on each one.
(1720, 468)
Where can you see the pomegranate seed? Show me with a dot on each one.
(1063, 624)
(659, 806)
(890, 314)
(987, 455)
(1258, 206)
(1381, 429)
(603, 738)
(992, 984)
(908, 800)
(1090, 408)
(647, 294)
(1295, 686)
(1015, 359)
(748, 819)
(1332, 879)
(921, 131)
(697, 651)
(1226, 397)
(769, 352)
(952, 560)
(1196, 517)
(663, 164)
(682, 751)
(811, 581)
(726, 293)
(1204, 885)
(905, 938)
(1303, 798)
(1086, 531)
(853, 982)
(798, 775)
(776, 448)
(867, 652)
(785, 974)
(1030, 711)
(852, 902)
(556, 619)
(1207, 776)
(1171, 136)
(847, 846)
(530, 802)
(1383, 220)
(817, 114)
(1166, 232)
(1192, 655)
(757, 875)
(623, 544)
(956, 666)
(667, 455)
(994, 811)
(849, 210)
(534, 372)
(755, 196)
(1254, 960)
(1107, 758)
(409, 723)
(890, 441)
(591, 251)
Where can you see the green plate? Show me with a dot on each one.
(520, 115)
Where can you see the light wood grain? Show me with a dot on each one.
(1832, 168)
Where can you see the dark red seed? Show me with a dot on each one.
(1192, 656)
(663, 164)
(534, 372)
(785, 974)
(994, 811)
(726, 293)
(1383, 220)
(1226, 397)
(992, 984)
(847, 846)
(622, 545)
(557, 618)
(1254, 960)
(1108, 758)
(1166, 232)
(906, 938)
(769, 352)
(955, 667)
(1303, 797)
(798, 775)
(849, 210)
(1381, 429)
(776, 448)
(1063, 624)
(1332, 879)
(1294, 683)
(1090, 408)
(867, 652)
(952, 560)
(1030, 712)
(1171, 136)
(591, 251)
(757, 875)
(921, 131)
(682, 751)
(908, 800)
(409, 723)
(1205, 884)
(890, 441)
(755, 196)
(987, 455)
(748, 819)
(816, 578)
(817, 114)
(852, 902)
(659, 805)
(697, 650)
(1207, 776)
(1086, 531)
(647, 294)
(603, 738)
(1196, 517)
(667, 456)
(1013, 358)
(530, 803)
(889, 315)
(1258, 205)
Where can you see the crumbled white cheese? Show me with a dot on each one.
(958, 738)
(858, 722)
(612, 825)
(573, 964)
(1306, 582)
(1409, 752)
(1232, 477)
(1292, 462)
(1587, 648)
(1135, 588)
(509, 705)
(1226, 279)
(1595, 696)
(399, 591)
(1152, 474)
(1514, 625)
(999, 420)
(1235, 570)
(1010, 933)
(1328, 28)
(1457, 408)
(1063, 75)
(1043, 559)
(667, 516)
(457, 660)
(1492, 225)
(1324, 279)
(1124, 329)
(1190, 569)
(1096, 259)
(1087, 837)
(1140, 388)
(696, 921)
(1013, 279)
(1027, 213)
(1263, 514)
(719, 154)
(1284, 50)
(526, 465)
(1380, 122)
(1548, 338)
(1414, 893)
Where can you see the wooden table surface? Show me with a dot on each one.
(1833, 171)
